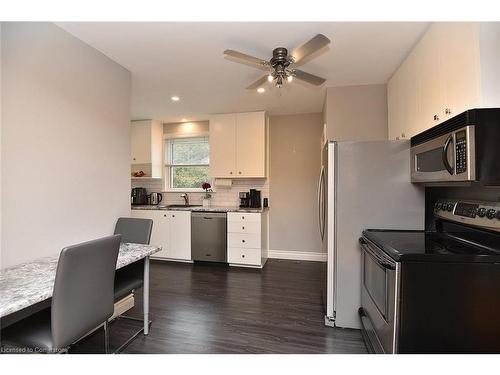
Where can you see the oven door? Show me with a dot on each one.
(379, 298)
(448, 158)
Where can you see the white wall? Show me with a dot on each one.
(65, 117)
(295, 162)
(356, 113)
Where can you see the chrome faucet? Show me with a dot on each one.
(186, 198)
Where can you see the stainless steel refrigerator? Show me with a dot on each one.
(362, 185)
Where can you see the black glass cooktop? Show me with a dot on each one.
(434, 246)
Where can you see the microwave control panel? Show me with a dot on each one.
(461, 152)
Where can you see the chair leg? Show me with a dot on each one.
(106, 337)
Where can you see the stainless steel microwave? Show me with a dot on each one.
(465, 148)
(449, 157)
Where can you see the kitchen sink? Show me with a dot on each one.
(180, 205)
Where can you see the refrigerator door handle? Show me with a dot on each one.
(321, 203)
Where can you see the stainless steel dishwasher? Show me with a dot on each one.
(209, 236)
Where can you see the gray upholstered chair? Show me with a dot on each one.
(82, 299)
(130, 278)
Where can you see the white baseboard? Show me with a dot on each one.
(297, 255)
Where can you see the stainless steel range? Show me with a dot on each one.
(435, 291)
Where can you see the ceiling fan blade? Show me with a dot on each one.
(309, 78)
(313, 45)
(257, 83)
(247, 59)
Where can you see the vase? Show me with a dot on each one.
(206, 202)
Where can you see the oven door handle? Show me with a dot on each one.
(446, 163)
(382, 262)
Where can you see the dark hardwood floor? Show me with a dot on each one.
(205, 308)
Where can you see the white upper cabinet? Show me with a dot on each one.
(146, 146)
(238, 145)
(444, 75)
(460, 67)
(251, 144)
(223, 145)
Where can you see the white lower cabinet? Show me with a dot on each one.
(244, 256)
(171, 231)
(247, 239)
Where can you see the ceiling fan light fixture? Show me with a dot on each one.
(290, 78)
(261, 90)
(270, 78)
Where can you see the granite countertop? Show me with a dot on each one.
(201, 208)
(29, 283)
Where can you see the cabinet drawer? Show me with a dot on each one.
(243, 227)
(244, 240)
(243, 217)
(244, 256)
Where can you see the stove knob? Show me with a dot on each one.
(481, 212)
(449, 207)
(438, 206)
(490, 214)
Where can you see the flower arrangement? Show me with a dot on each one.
(208, 189)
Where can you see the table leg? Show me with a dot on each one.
(145, 301)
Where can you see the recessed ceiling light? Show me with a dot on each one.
(175, 98)
(183, 120)
(260, 90)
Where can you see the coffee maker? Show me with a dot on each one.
(255, 198)
(244, 199)
(139, 196)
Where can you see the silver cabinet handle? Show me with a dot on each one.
(447, 111)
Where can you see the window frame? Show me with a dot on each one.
(167, 167)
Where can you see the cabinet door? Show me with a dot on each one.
(161, 233)
(461, 67)
(250, 144)
(396, 106)
(428, 59)
(140, 142)
(223, 145)
(180, 235)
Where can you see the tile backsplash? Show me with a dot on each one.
(222, 196)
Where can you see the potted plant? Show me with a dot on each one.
(208, 189)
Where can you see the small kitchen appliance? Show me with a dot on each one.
(139, 196)
(461, 149)
(244, 199)
(255, 198)
(155, 198)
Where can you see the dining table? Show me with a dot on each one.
(27, 288)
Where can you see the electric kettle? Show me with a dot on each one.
(155, 198)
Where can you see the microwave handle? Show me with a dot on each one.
(446, 163)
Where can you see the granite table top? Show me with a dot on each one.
(28, 283)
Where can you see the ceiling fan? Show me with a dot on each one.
(281, 65)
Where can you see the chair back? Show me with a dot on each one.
(134, 230)
(83, 295)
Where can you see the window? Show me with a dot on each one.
(186, 163)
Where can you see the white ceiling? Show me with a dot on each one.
(186, 59)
